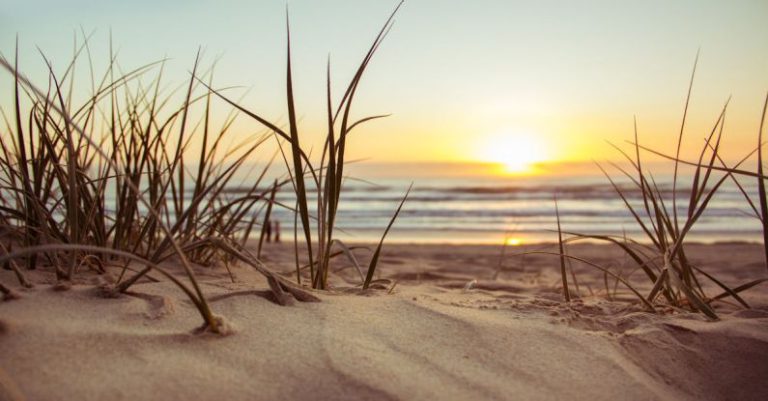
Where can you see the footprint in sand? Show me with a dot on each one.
(159, 306)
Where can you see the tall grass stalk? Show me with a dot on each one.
(112, 180)
(563, 274)
(57, 167)
(664, 261)
(327, 178)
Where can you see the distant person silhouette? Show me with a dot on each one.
(268, 230)
(277, 231)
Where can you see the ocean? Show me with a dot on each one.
(495, 209)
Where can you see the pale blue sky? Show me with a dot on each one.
(455, 74)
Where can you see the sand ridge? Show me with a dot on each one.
(432, 336)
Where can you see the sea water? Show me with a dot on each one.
(517, 209)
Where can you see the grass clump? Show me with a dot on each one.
(97, 183)
(666, 222)
(111, 181)
(325, 178)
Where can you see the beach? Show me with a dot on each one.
(374, 200)
(441, 322)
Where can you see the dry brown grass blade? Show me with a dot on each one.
(643, 262)
(739, 289)
(15, 268)
(630, 208)
(629, 286)
(8, 294)
(692, 297)
(728, 290)
(243, 255)
(658, 285)
(277, 290)
(375, 258)
(346, 251)
(680, 141)
(298, 168)
(561, 247)
(210, 320)
(761, 183)
(122, 287)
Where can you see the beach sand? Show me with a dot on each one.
(446, 323)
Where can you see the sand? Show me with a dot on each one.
(453, 327)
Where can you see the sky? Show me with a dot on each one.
(464, 81)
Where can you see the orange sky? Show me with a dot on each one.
(464, 81)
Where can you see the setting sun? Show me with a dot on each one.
(517, 153)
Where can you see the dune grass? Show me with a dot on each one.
(111, 181)
(63, 158)
(327, 177)
(661, 255)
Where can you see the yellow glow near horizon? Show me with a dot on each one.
(514, 241)
(517, 153)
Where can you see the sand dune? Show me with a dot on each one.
(447, 330)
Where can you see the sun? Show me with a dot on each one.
(516, 153)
